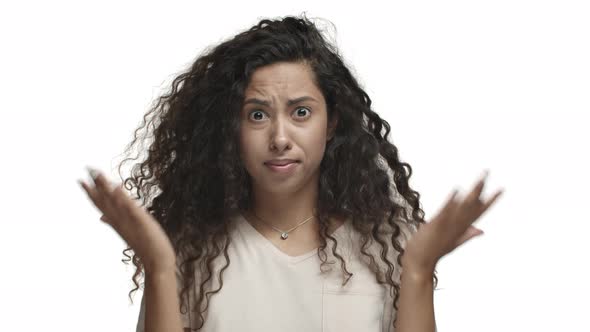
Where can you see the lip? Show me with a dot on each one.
(281, 162)
(283, 169)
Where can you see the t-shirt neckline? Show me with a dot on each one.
(248, 229)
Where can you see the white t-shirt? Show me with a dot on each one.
(266, 290)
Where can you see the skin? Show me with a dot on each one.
(148, 240)
(286, 200)
(299, 131)
(449, 229)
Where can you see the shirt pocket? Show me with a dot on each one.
(357, 306)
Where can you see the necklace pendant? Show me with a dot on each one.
(284, 236)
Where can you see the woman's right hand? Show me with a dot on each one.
(133, 223)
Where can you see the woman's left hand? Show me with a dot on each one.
(450, 228)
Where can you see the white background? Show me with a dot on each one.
(465, 85)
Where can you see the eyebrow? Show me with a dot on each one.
(266, 103)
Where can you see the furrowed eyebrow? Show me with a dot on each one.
(266, 103)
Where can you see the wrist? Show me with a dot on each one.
(417, 272)
(417, 267)
(417, 275)
(160, 272)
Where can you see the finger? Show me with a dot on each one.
(469, 234)
(95, 197)
(475, 193)
(491, 201)
(103, 193)
(93, 194)
(103, 184)
(128, 211)
(121, 213)
(105, 219)
(450, 203)
(448, 209)
(121, 200)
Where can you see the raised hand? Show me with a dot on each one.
(450, 228)
(133, 223)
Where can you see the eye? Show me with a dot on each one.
(257, 112)
(300, 111)
(297, 111)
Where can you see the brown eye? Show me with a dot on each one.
(299, 113)
(258, 114)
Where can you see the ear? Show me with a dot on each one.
(332, 126)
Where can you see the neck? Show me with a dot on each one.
(285, 210)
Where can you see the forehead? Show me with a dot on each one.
(282, 78)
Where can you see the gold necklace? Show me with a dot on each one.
(284, 234)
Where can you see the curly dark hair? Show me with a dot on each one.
(192, 177)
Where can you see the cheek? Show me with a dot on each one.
(248, 151)
(317, 143)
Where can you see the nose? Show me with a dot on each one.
(279, 140)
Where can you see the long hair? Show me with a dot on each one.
(192, 177)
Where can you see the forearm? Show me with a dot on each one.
(162, 303)
(416, 302)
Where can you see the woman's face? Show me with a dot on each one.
(283, 116)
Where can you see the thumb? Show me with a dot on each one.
(104, 218)
(469, 234)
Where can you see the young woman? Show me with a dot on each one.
(280, 203)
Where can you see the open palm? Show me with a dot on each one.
(450, 228)
(133, 223)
